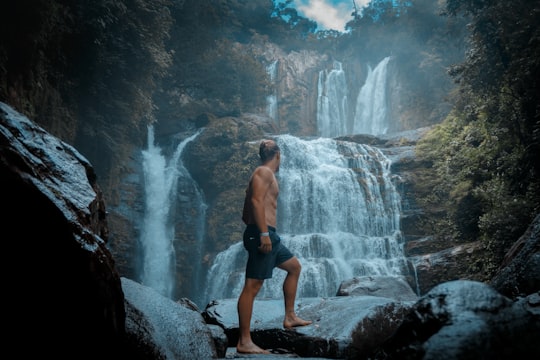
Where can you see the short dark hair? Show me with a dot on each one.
(268, 149)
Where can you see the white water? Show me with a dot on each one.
(332, 102)
(338, 212)
(371, 115)
(371, 105)
(157, 231)
(271, 100)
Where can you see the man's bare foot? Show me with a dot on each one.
(294, 321)
(250, 348)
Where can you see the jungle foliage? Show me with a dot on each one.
(485, 154)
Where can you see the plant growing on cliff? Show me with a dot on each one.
(483, 155)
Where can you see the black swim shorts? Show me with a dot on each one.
(260, 265)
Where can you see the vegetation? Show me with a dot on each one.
(485, 154)
(86, 71)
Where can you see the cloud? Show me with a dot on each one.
(329, 14)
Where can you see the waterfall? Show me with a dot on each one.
(271, 100)
(332, 102)
(371, 105)
(161, 178)
(338, 212)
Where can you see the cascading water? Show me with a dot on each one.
(332, 102)
(371, 105)
(370, 116)
(161, 180)
(338, 212)
(271, 100)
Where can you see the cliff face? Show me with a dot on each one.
(222, 157)
(295, 87)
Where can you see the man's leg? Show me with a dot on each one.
(290, 285)
(245, 309)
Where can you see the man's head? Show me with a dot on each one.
(268, 150)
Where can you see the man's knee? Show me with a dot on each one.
(297, 266)
(292, 266)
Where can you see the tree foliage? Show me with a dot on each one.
(85, 70)
(489, 151)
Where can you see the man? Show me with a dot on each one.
(264, 247)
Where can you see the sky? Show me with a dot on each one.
(329, 14)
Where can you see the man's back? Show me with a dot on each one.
(262, 192)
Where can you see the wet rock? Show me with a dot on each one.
(435, 268)
(172, 330)
(384, 286)
(466, 320)
(220, 340)
(343, 327)
(53, 222)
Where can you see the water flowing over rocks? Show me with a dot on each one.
(55, 224)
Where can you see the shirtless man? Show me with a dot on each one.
(265, 250)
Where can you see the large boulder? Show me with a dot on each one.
(62, 290)
(466, 319)
(344, 327)
(164, 329)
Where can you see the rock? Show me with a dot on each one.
(384, 286)
(220, 340)
(465, 319)
(55, 231)
(435, 268)
(519, 274)
(344, 327)
(169, 329)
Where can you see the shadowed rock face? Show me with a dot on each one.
(64, 286)
(519, 274)
(171, 330)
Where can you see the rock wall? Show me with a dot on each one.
(295, 86)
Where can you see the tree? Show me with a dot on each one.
(494, 128)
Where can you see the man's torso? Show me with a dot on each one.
(269, 203)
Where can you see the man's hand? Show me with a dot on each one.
(266, 244)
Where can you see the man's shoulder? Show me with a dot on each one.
(264, 173)
(264, 170)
